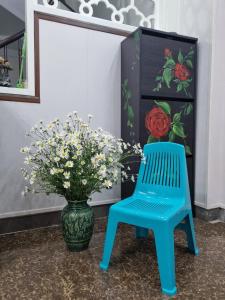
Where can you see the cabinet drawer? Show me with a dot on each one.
(168, 67)
(165, 121)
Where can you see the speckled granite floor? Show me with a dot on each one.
(36, 265)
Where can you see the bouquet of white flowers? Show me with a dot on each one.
(73, 160)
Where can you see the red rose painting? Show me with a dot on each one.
(181, 72)
(157, 122)
(176, 72)
(163, 124)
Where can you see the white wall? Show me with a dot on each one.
(206, 21)
(216, 162)
(79, 70)
(194, 18)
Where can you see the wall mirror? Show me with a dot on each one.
(17, 70)
(19, 40)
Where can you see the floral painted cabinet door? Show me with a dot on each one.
(167, 121)
(170, 69)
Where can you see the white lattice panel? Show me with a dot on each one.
(86, 8)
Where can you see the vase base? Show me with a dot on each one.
(77, 247)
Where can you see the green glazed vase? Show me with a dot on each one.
(77, 225)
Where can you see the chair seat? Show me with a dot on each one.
(146, 208)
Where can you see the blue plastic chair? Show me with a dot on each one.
(160, 202)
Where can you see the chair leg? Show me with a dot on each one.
(109, 242)
(164, 239)
(141, 232)
(190, 232)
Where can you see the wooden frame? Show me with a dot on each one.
(58, 19)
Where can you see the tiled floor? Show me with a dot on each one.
(36, 265)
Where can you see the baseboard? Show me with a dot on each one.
(216, 205)
(210, 214)
(46, 219)
(199, 204)
(210, 206)
(35, 211)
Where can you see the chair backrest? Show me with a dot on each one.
(164, 171)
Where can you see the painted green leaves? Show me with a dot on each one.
(128, 108)
(137, 36)
(126, 94)
(136, 56)
(167, 76)
(130, 116)
(176, 72)
(165, 106)
(163, 124)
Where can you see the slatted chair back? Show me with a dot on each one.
(163, 171)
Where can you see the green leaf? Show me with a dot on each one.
(158, 87)
(186, 93)
(170, 63)
(179, 87)
(180, 57)
(125, 105)
(158, 78)
(136, 36)
(178, 129)
(188, 109)
(130, 115)
(151, 139)
(129, 94)
(171, 136)
(167, 76)
(191, 52)
(189, 63)
(188, 150)
(185, 84)
(165, 106)
(177, 117)
(129, 124)
(125, 82)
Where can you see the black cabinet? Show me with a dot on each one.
(159, 92)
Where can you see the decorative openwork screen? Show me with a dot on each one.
(130, 12)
